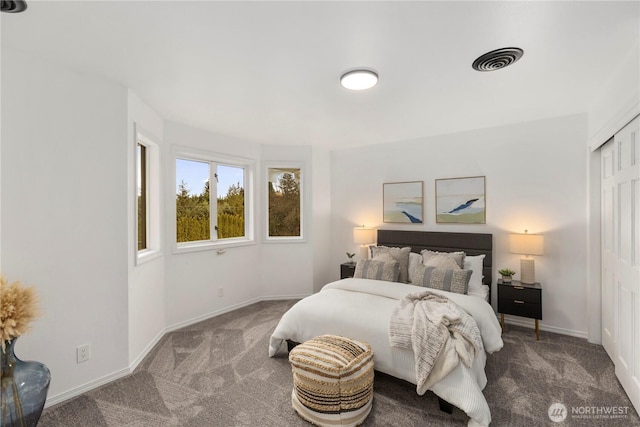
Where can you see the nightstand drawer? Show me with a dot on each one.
(520, 293)
(519, 307)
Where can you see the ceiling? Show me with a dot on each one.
(268, 72)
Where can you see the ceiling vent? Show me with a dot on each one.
(497, 59)
(13, 6)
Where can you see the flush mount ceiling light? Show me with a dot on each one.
(497, 59)
(13, 6)
(359, 79)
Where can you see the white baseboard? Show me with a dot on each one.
(146, 351)
(284, 297)
(61, 397)
(530, 323)
(207, 316)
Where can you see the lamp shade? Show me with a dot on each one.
(363, 236)
(527, 244)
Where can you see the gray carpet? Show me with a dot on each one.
(217, 373)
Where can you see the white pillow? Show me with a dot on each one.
(474, 263)
(415, 261)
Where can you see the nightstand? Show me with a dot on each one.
(347, 269)
(520, 299)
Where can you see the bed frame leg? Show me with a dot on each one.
(445, 406)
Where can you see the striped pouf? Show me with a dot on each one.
(332, 380)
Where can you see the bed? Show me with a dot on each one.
(362, 308)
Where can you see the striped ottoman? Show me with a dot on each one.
(332, 380)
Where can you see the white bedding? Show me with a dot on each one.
(361, 308)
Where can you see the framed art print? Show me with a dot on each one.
(461, 200)
(402, 202)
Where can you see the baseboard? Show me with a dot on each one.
(530, 323)
(59, 398)
(70, 394)
(284, 297)
(146, 351)
(211, 314)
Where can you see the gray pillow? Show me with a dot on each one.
(457, 256)
(378, 270)
(443, 279)
(401, 255)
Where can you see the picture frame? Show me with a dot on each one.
(461, 200)
(402, 202)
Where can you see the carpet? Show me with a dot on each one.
(218, 373)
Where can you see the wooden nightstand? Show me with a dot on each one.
(520, 299)
(347, 269)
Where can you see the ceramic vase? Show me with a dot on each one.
(23, 390)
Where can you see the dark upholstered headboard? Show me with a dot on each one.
(470, 243)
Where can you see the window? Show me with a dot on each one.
(147, 194)
(284, 203)
(141, 168)
(202, 179)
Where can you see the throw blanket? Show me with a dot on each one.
(440, 333)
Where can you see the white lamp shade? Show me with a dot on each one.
(527, 244)
(363, 236)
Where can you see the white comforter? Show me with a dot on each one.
(361, 308)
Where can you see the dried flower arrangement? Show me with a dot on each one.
(18, 307)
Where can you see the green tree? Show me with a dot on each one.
(192, 215)
(284, 205)
(231, 213)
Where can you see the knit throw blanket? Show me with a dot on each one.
(440, 333)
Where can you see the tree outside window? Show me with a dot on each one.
(284, 202)
(196, 218)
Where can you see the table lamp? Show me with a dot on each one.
(363, 236)
(527, 244)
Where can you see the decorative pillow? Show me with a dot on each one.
(457, 256)
(401, 255)
(444, 279)
(475, 264)
(384, 257)
(378, 270)
(415, 260)
(440, 261)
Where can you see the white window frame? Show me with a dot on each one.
(215, 159)
(284, 239)
(153, 196)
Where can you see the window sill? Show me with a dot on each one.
(184, 248)
(147, 255)
(285, 240)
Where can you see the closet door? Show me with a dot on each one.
(607, 200)
(621, 256)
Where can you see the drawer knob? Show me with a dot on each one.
(518, 301)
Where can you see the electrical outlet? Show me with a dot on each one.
(220, 291)
(83, 353)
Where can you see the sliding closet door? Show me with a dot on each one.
(621, 256)
(607, 187)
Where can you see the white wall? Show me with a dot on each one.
(287, 267)
(192, 279)
(146, 280)
(617, 103)
(321, 221)
(64, 180)
(535, 179)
